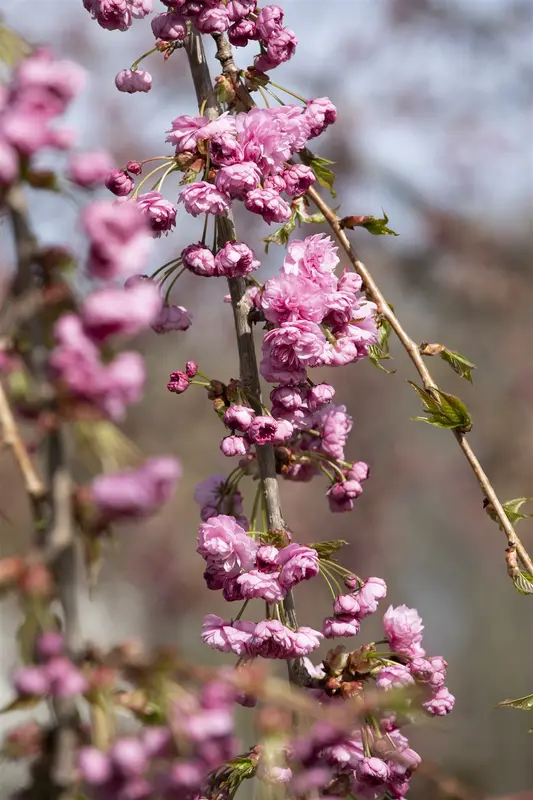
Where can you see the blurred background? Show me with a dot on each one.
(435, 111)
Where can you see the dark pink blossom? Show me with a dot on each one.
(119, 182)
(372, 771)
(225, 149)
(178, 382)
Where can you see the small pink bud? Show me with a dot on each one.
(191, 368)
(134, 167)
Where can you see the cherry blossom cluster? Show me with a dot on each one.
(316, 319)
(167, 761)
(243, 157)
(181, 743)
(241, 19)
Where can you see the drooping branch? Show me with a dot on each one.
(54, 542)
(413, 351)
(249, 373)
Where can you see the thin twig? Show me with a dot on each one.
(11, 438)
(249, 372)
(428, 381)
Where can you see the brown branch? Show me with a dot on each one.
(249, 373)
(11, 438)
(428, 381)
(54, 540)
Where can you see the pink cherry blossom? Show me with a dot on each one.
(222, 541)
(298, 563)
(403, 628)
(136, 493)
(202, 198)
(172, 318)
(132, 81)
(160, 213)
(235, 260)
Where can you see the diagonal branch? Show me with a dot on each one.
(429, 382)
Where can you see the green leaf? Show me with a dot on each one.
(301, 207)
(512, 509)
(523, 581)
(523, 703)
(380, 351)
(374, 225)
(21, 704)
(13, 48)
(443, 410)
(26, 635)
(325, 176)
(226, 781)
(281, 235)
(459, 363)
(326, 549)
